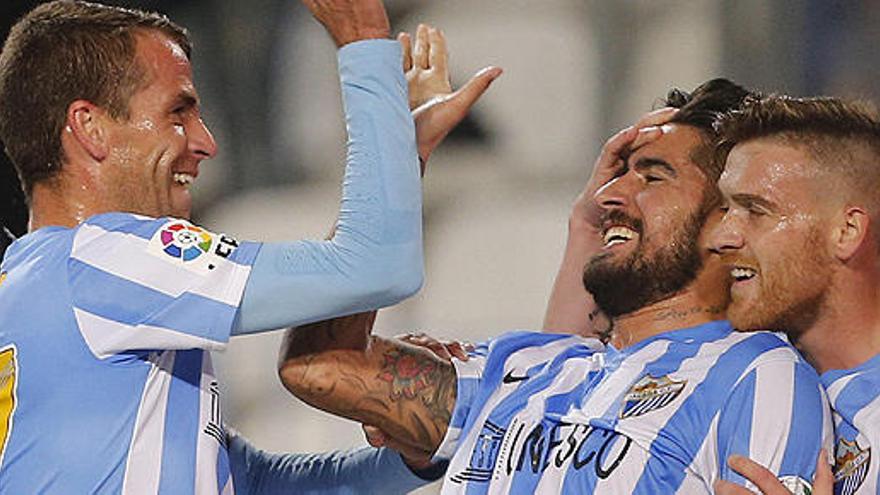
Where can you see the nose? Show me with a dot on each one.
(201, 141)
(726, 236)
(614, 194)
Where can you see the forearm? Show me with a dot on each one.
(363, 470)
(571, 308)
(404, 390)
(374, 258)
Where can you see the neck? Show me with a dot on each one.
(682, 310)
(56, 202)
(846, 332)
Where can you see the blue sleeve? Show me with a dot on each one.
(364, 470)
(375, 257)
(781, 431)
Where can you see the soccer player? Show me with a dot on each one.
(658, 410)
(800, 239)
(110, 305)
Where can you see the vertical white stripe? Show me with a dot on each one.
(144, 463)
(572, 374)
(706, 463)
(207, 447)
(520, 361)
(771, 412)
(643, 429)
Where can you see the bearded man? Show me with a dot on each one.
(657, 410)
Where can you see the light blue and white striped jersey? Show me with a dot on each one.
(542, 413)
(855, 402)
(106, 383)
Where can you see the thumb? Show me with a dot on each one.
(468, 94)
(823, 483)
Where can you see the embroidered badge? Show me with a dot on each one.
(650, 394)
(851, 465)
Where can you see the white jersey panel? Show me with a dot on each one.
(568, 416)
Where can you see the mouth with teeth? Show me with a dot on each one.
(618, 234)
(742, 273)
(183, 179)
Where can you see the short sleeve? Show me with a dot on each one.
(139, 283)
(781, 431)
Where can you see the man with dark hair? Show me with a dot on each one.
(110, 304)
(800, 239)
(657, 410)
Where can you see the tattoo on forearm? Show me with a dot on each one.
(405, 390)
(414, 379)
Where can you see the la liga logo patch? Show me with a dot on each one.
(193, 248)
(185, 242)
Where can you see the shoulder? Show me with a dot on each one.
(537, 343)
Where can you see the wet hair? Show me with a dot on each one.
(58, 53)
(700, 109)
(842, 137)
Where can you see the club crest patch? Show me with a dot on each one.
(2, 277)
(851, 465)
(650, 394)
(796, 485)
(8, 399)
(191, 247)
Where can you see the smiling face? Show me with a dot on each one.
(773, 236)
(652, 216)
(154, 155)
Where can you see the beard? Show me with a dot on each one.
(642, 278)
(791, 293)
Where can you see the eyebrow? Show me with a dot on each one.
(186, 99)
(647, 163)
(748, 200)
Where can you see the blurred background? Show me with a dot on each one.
(497, 193)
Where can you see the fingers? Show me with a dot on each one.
(722, 487)
(616, 146)
(405, 41)
(415, 457)
(762, 477)
(648, 135)
(468, 94)
(657, 117)
(438, 56)
(823, 483)
(445, 350)
(420, 51)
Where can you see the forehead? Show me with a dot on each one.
(163, 60)
(676, 147)
(768, 168)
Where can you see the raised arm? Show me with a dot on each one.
(375, 256)
(337, 366)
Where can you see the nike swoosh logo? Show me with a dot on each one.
(509, 378)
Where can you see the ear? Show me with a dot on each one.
(852, 232)
(86, 124)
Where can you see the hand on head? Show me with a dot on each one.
(612, 159)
